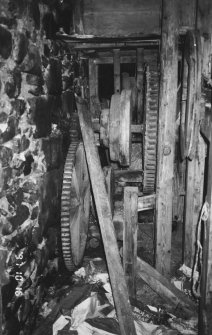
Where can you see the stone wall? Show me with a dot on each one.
(35, 106)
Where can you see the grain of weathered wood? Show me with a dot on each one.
(130, 237)
(146, 202)
(193, 200)
(119, 288)
(206, 280)
(114, 127)
(93, 84)
(187, 14)
(131, 176)
(178, 301)
(121, 17)
(110, 184)
(125, 128)
(205, 319)
(166, 135)
(195, 168)
(137, 128)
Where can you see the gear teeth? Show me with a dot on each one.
(65, 202)
(151, 124)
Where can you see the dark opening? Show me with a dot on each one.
(106, 82)
(28, 164)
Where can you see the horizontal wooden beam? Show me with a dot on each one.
(109, 60)
(132, 176)
(135, 128)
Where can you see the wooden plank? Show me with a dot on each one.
(125, 128)
(204, 25)
(146, 202)
(114, 127)
(93, 84)
(89, 43)
(187, 14)
(179, 302)
(140, 83)
(193, 200)
(166, 135)
(103, 18)
(118, 283)
(206, 276)
(110, 184)
(116, 64)
(135, 128)
(195, 168)
(130, 237)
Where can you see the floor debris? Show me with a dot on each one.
(86, 307)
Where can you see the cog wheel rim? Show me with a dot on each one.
(75, 206)
(151, 126)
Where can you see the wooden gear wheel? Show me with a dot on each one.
(75, 205)
(150, 128)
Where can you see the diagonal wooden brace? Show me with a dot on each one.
(117, 279)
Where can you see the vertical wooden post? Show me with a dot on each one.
(130, 237)
(140, 78)
(116, 64)
(195, 169)
(93, 83)
(204, 17)
(166, 135)
(206, 280)
(193, 200)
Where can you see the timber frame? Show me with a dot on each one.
(179, 19)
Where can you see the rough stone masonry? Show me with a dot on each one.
(36, 77)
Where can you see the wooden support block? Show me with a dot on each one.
(114, 127)
(117, 279)
(166, 135)
(128, 176)
(178, 301)
(137, 128)
(146, 202)
(130, 237)
(140, 83)
(116, 64)
(125, 128)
